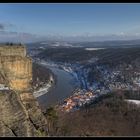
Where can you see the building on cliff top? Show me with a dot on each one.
(15, 50)
(15, 67)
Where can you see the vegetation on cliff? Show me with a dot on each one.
(41, 76)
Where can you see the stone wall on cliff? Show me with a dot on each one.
(14, 50)
(16, 66)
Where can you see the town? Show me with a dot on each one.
(108, 80)
(77, 100)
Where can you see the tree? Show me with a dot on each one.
(52, 118)
(7, 43)
(20, 44)
(11, 44)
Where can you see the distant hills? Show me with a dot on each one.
(65, 44)
(110, 43)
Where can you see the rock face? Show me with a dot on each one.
(20, 114)
(16, 66)
(13, 118)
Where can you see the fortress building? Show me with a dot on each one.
(15, 67)
(14, 50)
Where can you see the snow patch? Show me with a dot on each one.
(42, 90)
(3, 87)
(93, 49)
(137, 102)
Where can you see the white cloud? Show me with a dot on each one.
(2, 27)
(8, 36)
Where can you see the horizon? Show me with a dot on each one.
(69, 22)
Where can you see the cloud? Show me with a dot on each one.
(7, 34)
(2, 27)
(13, 36)
(102, 37)
(6, 26)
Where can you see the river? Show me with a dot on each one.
(63, 88)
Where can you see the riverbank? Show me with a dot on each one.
(43, 90)
(65, 83)
(43, 80)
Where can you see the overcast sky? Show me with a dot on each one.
(97, 22)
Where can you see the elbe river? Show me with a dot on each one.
(65, 84)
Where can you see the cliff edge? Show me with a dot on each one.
(20, 112)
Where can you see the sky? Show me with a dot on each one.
(93, 22)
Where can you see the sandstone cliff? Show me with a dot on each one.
(16, 67)
(20, 112)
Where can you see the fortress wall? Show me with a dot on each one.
(13, 50)
(18, 69)
(17, 66)
(20, 84)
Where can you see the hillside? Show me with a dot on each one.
(109, 117)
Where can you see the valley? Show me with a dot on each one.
(98, 71)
